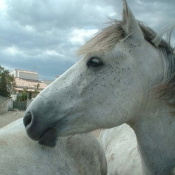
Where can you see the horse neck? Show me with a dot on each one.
(155, 132)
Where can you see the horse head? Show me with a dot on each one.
(109, 86)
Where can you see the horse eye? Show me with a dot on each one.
(94, 62)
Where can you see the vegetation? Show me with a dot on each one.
(22, 96)
(37, 88)
(7, 82)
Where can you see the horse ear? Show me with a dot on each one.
(130, 24)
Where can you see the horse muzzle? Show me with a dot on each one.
(44, 136)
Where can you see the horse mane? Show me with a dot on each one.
(105, 40)
(166, 89)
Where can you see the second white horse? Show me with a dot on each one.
(77, 155)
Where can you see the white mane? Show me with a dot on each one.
(106, 39)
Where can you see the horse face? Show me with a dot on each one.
(102, 90)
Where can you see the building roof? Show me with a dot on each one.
(26, 71)
(31, 85)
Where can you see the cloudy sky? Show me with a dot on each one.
(43, 35)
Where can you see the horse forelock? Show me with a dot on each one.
(104, 40)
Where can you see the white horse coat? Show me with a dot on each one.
(112, 85)
(121, 158)
(77, 155)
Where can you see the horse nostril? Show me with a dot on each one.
(27, 119)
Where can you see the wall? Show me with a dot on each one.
(25, 74)
(28, 76)
(3, 99)
(34, 94)
(13, 72)
(6, 106)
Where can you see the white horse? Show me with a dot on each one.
(77, 155)
(112, 85)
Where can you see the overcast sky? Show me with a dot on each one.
(43, 35)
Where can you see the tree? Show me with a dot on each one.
(37, 87)
(22, 96)
(7, 82)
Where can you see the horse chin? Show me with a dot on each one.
(49, 138)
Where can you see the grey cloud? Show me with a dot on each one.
(47, 66)
(46, 15)
(35, 27)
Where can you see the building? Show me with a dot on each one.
(24, 74)
(29, 81)
(47, 81)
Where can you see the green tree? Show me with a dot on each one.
(22, 96)
(37, 87)
(7, 82)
